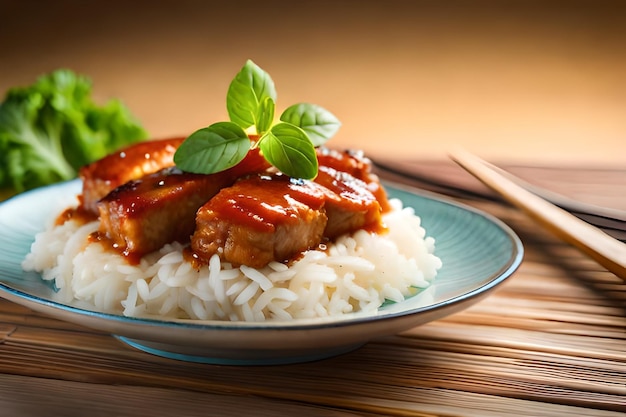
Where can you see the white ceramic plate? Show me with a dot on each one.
(478, 253)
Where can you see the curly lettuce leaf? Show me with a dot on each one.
(48, 130)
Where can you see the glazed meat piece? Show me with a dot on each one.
(357, 165)
(349, 203)
(143, 215)
(260, 219)
(101, 177)
(353, 162)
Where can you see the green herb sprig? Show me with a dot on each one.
(288, 144)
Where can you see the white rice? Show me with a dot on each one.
(357, 273)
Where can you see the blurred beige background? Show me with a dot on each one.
(521, 81)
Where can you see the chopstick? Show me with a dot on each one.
(607, 251)
(611, 221)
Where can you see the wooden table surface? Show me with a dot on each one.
(538, 86)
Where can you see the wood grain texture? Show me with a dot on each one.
(606, 250)
(550, 342)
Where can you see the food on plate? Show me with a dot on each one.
(349, 203)
(272, 217)
(49, 129)
(104, 175)
(145, 213)
(261, 218)
(244, 220)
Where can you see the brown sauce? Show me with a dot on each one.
(191, 257)
(262, 201)
(78, 214)
(101, 238)
(346, 190)
(118, 167)
(357, 165)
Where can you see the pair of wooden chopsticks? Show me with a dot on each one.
(607, 251)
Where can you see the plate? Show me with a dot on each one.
(478, 253)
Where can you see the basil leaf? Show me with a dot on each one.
(289, 149)
(246, 92)
(266, 115)
(317, 122)
(213, 149)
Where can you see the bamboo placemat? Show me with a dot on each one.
(550, 342)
